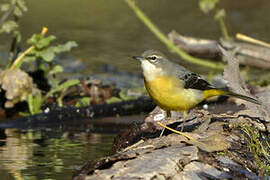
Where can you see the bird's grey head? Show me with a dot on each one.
(153, 63)
(154, 57)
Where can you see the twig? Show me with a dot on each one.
(175, 131)
(167, 42)
(251, 40)
(7, 14)
(232, 75)
(20, 58)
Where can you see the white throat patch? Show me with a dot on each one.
(150, 71)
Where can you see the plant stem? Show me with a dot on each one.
(66, 84)
(251, 40)
(168, 43)
(223, 28)
(20, 58)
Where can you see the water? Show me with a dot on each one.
(49, 154)
(57, 150)
(107, 32)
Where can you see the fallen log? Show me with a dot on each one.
(248, 54)
(66, 114)
(176, 157)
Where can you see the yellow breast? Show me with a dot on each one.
(169, 94)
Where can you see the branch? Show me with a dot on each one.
(167, 42)
(7, 14)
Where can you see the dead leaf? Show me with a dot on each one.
(17, 84)
(215, 142)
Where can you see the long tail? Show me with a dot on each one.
(217, 92)
(246, 98)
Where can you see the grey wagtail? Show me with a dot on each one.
(174, 88)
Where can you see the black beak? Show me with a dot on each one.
(137, 57)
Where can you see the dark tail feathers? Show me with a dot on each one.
(246, 98)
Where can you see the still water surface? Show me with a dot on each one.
(107, 32)
(49, 154)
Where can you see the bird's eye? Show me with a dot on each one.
(152, 58)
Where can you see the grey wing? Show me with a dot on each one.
(194, 81)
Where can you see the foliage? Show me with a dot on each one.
(259, 146)
(84, 101)
(61, 87)
(44, 53)
(123, 96)
(113, 100)
(207, 6)
(19, 85)
(12, 10)
(35, 101)
(185, 56)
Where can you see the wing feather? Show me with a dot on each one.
(194, 81)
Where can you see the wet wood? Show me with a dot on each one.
(175, 157)
(65, 114)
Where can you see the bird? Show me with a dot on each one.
(174, 88)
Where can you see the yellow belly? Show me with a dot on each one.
(169, 94)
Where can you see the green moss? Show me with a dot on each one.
(259, 146)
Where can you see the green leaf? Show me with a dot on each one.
(5, 7)
(30, 101)
(45, 68)
(18, 36)
(207, 5)
(39, 41)
(34, 102)
(35, 38)
(17, 11)
(220, 14)
(85, 101)
(56, 69)
(47, 54)
(61, 87)
(9, 26)
(27, 59)
(113, 100)
(21, 4)
(45, 41)
(65, 47)
(123, 95)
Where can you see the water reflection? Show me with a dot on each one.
(49, 154)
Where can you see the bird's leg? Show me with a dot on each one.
(184, 120)
(184, 114)
(168, 115)
(175, 131)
